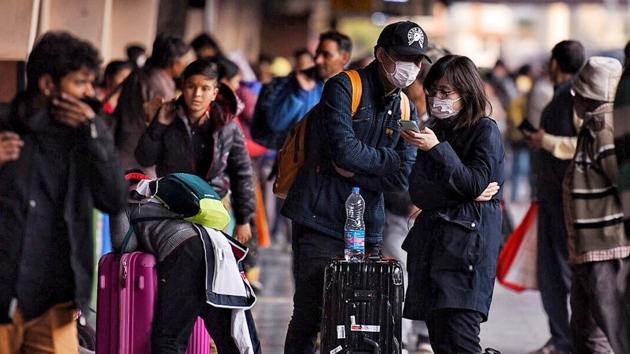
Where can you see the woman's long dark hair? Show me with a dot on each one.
(463, 75)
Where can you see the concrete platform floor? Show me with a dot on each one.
(517, 323)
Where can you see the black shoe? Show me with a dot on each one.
(491, 351)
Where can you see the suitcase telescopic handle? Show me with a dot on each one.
(374, 344)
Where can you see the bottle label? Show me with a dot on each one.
(355, 240)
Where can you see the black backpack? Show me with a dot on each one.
(260, 130)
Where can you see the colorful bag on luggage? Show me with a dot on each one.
(193, 198)
(127, 291)
(362, 310)
(292, 155)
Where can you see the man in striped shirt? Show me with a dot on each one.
(599, 249)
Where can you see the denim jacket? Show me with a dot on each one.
(368, 144)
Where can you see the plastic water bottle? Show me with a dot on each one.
(354, 231)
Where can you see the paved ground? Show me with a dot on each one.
(517, 323)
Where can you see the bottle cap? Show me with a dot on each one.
(356, 189)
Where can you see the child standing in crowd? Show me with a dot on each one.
(196, 134)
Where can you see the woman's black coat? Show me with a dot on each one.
(453, 245)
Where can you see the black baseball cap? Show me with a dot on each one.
(404, 38)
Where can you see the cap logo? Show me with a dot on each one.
(415, 35)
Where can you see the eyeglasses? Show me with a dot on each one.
(439, 93)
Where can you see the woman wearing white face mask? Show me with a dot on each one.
(453, 245)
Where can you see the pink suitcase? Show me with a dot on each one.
(127, 289)
(199, 342)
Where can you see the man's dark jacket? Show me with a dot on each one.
(94, 179)
(556, 119)
(368, 144)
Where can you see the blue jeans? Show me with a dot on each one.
(312, 252)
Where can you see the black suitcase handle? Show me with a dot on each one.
(374, 344)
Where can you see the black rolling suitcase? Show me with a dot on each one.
(362, 307)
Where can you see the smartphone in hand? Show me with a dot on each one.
(409, 125)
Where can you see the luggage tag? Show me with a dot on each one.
(341, 332)
(354, 327)
(336, 350)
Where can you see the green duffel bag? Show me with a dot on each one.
(193, 198)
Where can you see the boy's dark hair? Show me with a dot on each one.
(203, 67)
(58, 54)
(205, 40)
(344, 42)
(166, 50)
(227, 68)
(114, 67)
(569, 55)
(134, 51)
(463, 75)
(301, 51)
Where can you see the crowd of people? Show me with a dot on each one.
(65, 145)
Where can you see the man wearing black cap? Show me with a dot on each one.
(344, 151)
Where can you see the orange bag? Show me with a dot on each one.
(292, 155)
(262, 226)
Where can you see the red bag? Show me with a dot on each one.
(517, 267)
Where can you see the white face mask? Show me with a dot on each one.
(442, 108)
(405, 72)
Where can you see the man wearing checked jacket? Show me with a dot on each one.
(342, 152)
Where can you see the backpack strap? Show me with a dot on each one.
(405, 108)
(128, 235)
(357, 89)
